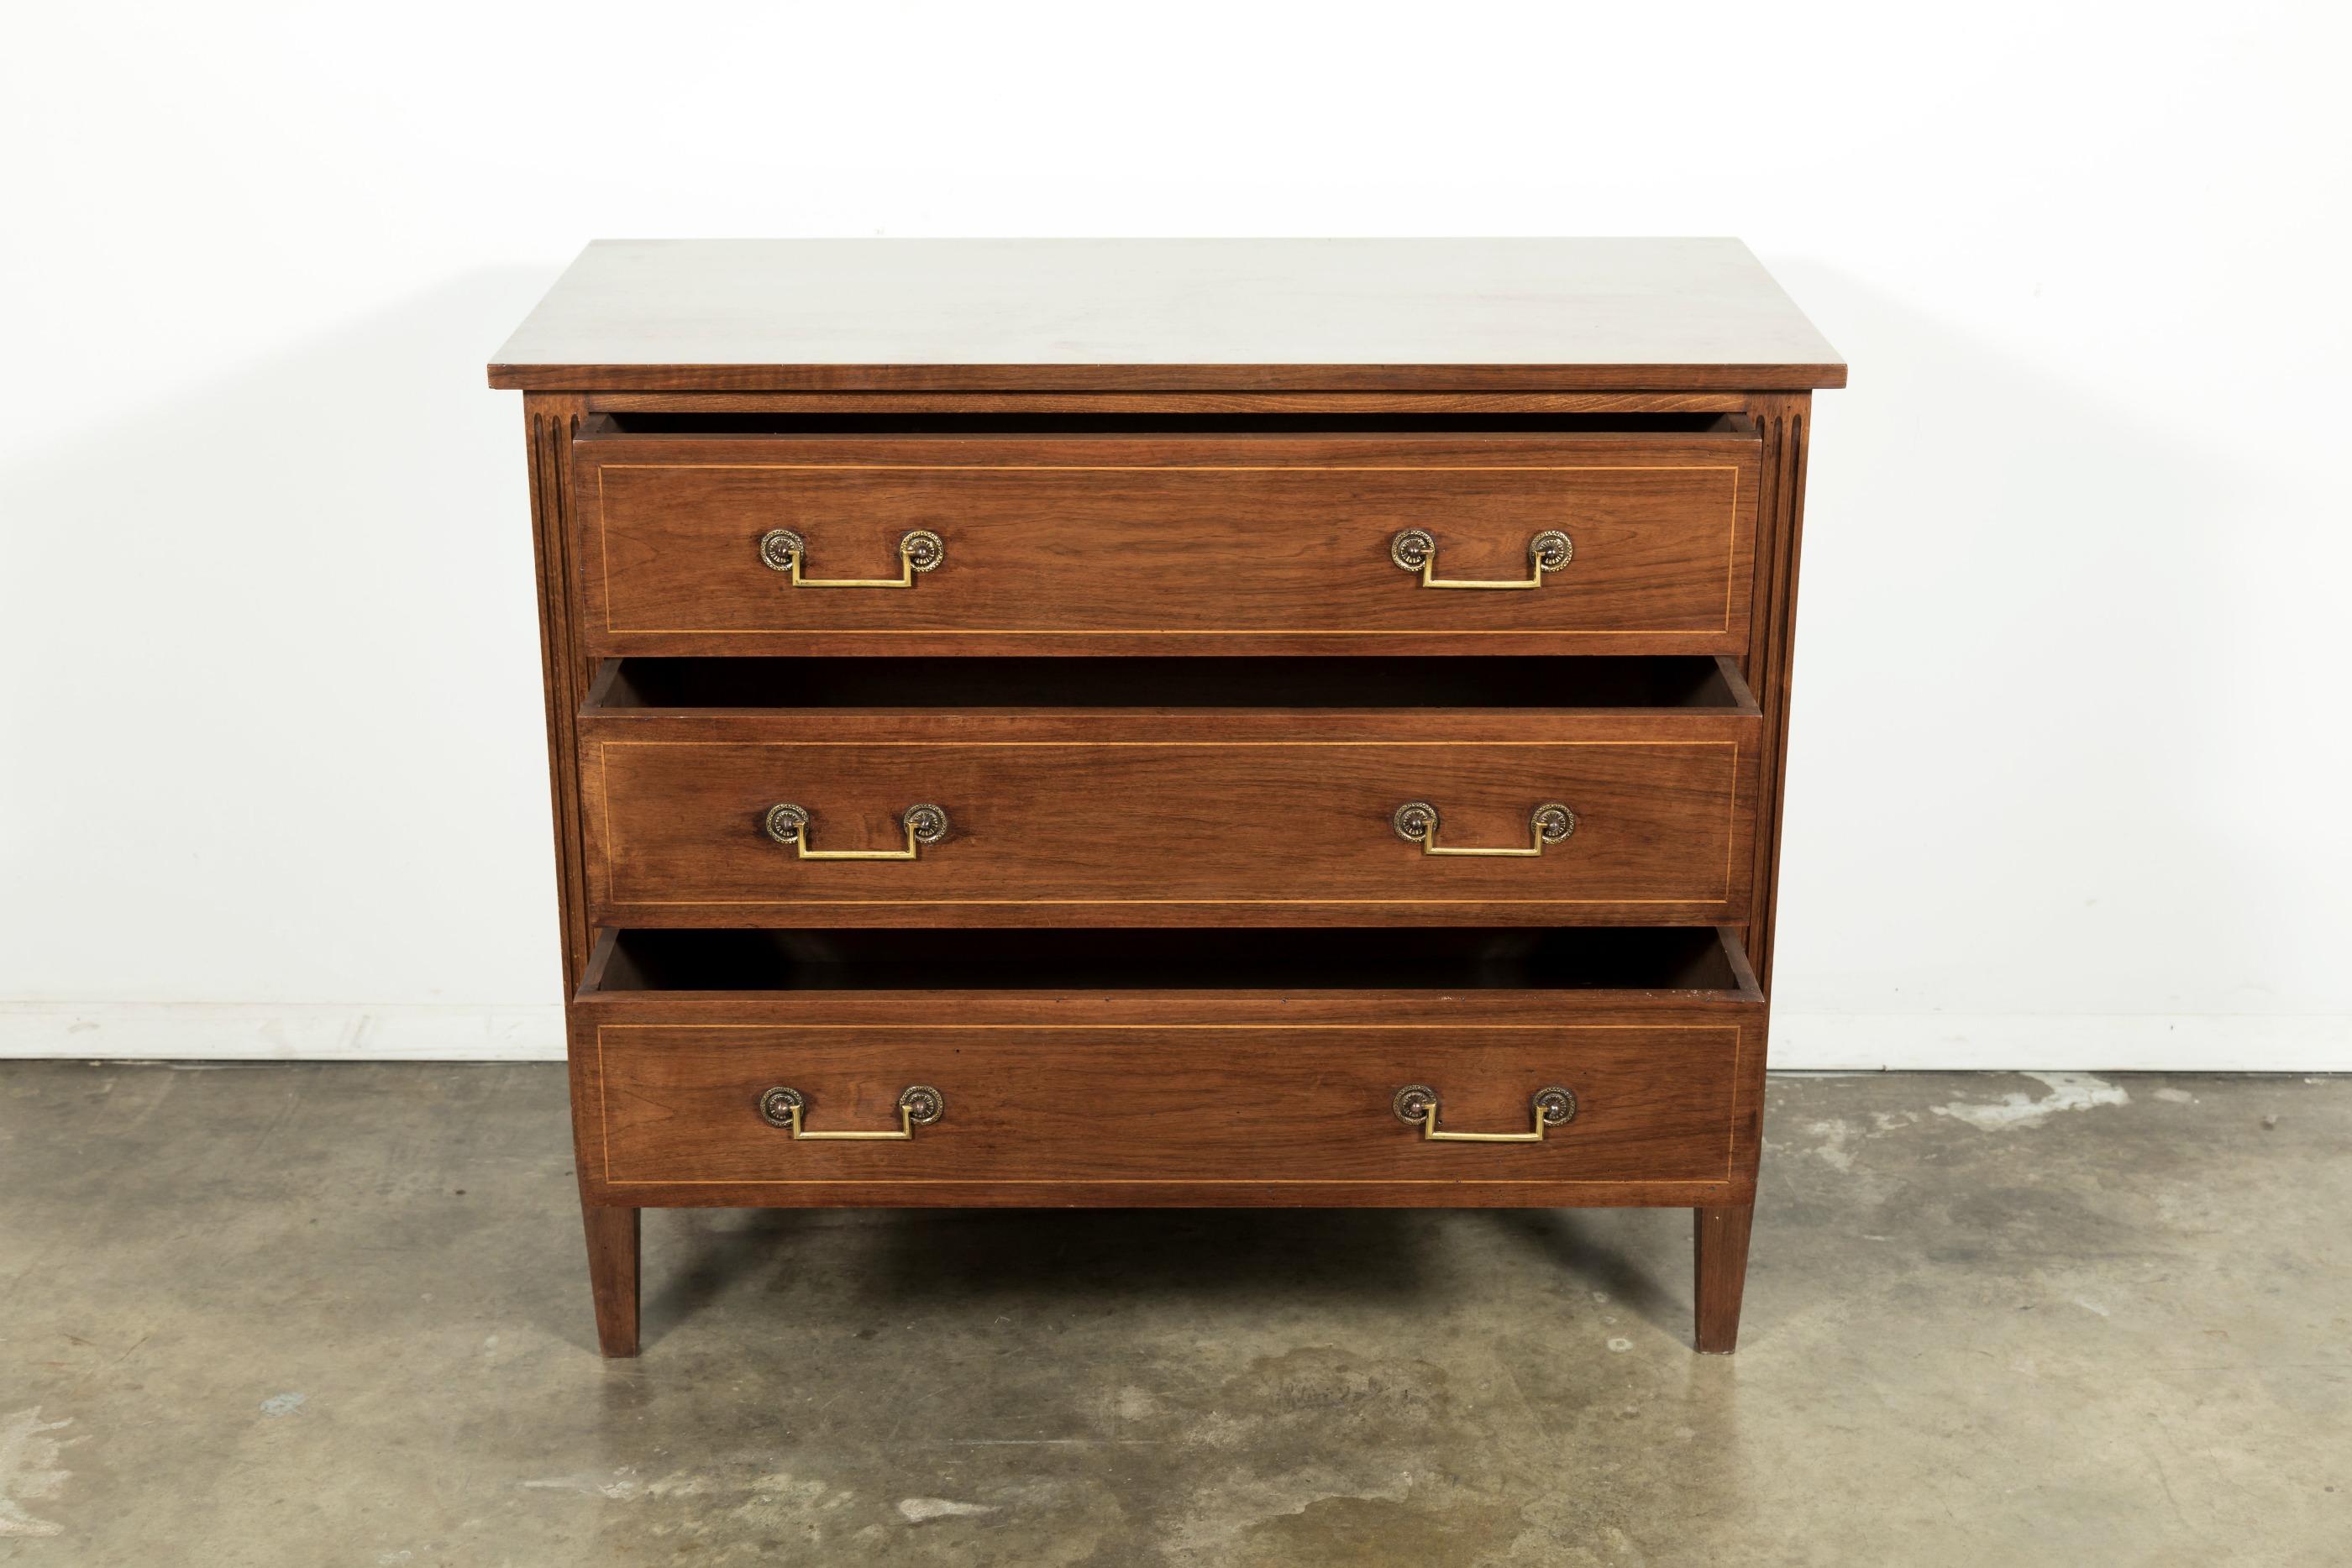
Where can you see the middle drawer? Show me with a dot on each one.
(1168, 792)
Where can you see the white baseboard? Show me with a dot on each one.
(2063, 1042)
(214, 1032)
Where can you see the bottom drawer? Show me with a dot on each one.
(1081, 1067)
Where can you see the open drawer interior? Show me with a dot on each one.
(1686, 959)
(668, 423)
(1684, 685)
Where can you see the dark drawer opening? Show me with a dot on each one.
(1678, 684)
(1664, 958)
(1165, 424)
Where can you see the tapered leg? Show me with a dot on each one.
(1719, 1255)
(613, 1276)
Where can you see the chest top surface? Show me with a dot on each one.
(1082, 315)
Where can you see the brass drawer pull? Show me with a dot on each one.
(1415, 550)
(920, 1106)
(781, 550)
(1415, 822)
(789, 824)
(1417, 1103)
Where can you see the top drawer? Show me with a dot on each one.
(1623, 535)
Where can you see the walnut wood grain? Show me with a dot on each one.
(1443, 315)
(1166, 544)
(1275, 816)
(1783, 419)
(1719, 1269)
(1171, 793)
(1144, 1098)
(548, 423)
(613, 1251)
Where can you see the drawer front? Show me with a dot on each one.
(1655, 830)
(1661, 1106)
(1095, 545)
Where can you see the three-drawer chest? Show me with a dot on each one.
(1167, 723)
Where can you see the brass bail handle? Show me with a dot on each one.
(1415, 550)
(919, 549)
(1416, 1104)
(920, 1106)
(789, 824)
(1415, 822)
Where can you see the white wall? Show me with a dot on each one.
(2070, 772)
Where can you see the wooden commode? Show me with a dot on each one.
(1167, 723)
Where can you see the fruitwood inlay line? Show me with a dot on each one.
(1730, 559)
(1738, 1044)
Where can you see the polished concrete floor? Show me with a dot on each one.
(312, 1315)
